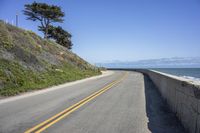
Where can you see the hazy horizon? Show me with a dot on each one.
(175, 62)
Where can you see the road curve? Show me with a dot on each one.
(125, 102)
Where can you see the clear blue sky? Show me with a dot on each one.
(125, 30)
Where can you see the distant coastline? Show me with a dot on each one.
(175, 62)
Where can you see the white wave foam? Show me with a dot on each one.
(191, 78)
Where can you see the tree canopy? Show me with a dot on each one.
(61, 36)
(45, 14)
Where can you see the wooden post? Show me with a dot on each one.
(17, 19)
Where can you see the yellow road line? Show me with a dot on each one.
(54, 119)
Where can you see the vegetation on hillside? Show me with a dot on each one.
(28, 62)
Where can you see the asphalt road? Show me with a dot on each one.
(127, 103)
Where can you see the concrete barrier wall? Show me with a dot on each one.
(182, 96)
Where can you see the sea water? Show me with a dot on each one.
(189, 73)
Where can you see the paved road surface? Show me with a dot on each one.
(131, 106)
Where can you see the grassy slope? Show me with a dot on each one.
(27, 62)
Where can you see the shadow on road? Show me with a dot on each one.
(161, 119)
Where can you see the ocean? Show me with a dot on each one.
(189, 73)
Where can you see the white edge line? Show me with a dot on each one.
(53, 88)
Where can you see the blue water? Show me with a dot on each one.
(193, 73)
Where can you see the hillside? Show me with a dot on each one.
(28, 62)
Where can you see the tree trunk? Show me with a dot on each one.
(45, 34)
(45, 23)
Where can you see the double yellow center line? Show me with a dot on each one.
(54, 119)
